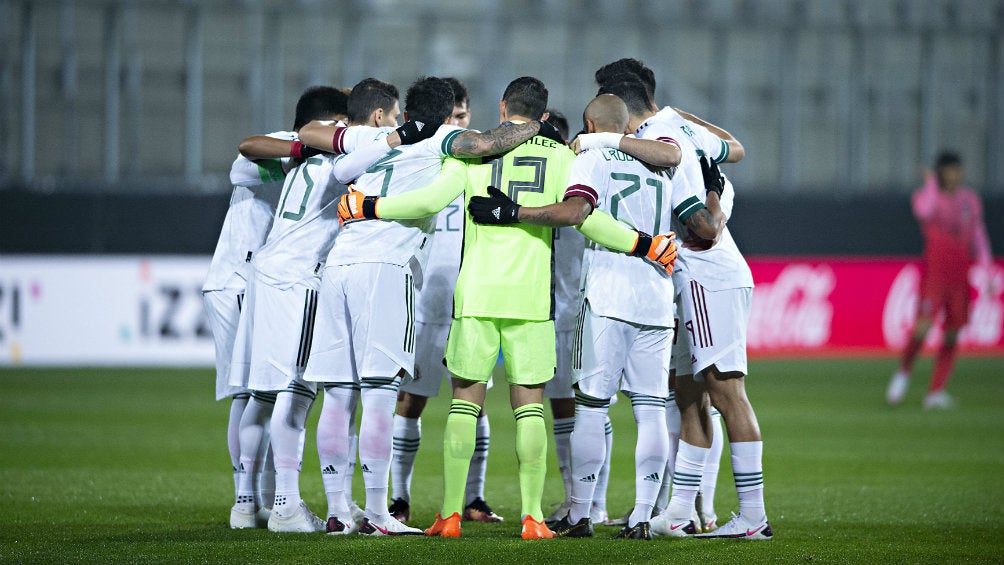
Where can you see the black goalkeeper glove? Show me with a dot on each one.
(713, 181)
(549, 131)
(413, 131)
(496, 208)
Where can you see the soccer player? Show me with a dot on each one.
(951, 217)
(246, 232)
(256, 188)
(716, 287)
(366, 337)
(503, 294)
(432, 324)
(721, 146)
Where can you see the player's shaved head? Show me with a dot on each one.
(608, 113)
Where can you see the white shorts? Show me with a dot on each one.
(711, 330)
(283, 325)
(365, 324)
(430, 342)
(223, 311)
(617, 355)
(561, 385)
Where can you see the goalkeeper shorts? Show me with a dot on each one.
(472, 349)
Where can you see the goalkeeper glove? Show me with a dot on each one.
(713, 181)
(413, 131)
(356, 206)
(659, 249)
(300, 151)
(496, 208)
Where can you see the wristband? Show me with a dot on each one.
(643, 245)
(600, 140)
(369, 207)
(296, 149)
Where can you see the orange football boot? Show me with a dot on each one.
(448, 527)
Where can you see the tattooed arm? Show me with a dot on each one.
(471, 143)
(705, 226)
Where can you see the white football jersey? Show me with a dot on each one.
(615, 284)
(398, 242)
(435, 300)
(723, 266)
(568, 247)
(257, 186)
(305, 224)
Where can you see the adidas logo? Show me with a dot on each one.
(366, 469)
(654, 477)
(588, 479)
(419, 125)
(329, 470)
(497, 212)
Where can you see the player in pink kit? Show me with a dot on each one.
(951, 217)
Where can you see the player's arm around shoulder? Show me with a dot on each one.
(473, 143)
(418, 203)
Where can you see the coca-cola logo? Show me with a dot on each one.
(986, 312)
(794, 310)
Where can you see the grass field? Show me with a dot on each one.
(130, 466)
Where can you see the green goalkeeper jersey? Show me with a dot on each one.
(506, 271)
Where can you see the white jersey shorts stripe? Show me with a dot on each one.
(712, 330)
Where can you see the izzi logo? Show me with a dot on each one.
(169, 309)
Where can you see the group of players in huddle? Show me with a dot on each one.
(372, 260)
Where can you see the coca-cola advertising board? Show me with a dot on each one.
(859, 306)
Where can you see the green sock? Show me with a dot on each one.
(458, 448)
(531, 450)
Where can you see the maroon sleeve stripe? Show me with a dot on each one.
(583, 191)
(669, 140)
(338, 141)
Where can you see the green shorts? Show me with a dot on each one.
(472, 349)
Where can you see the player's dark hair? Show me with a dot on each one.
(319, 103)
(525, 96)
(368, 95)
(630, 66)
(459, 92)
(629, 88)
(558, 120)
(429, 100)
(947, 159)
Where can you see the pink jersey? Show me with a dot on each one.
(953, 228)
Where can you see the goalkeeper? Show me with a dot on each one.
(503, 294)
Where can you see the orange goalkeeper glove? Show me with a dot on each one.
(659, 249)
(356, 206)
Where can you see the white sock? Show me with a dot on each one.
(288, 436)
(237, 405)
(709, 480)
(353, 455)
(600, 492)
(375, 440)
(253, 438)
(587, 455)
(407, 438)
(334, 444)
(266, 479)
(686, 481)
(479, 462)
(649, 454)
(673, 428)
(747, 468)
(563, 449)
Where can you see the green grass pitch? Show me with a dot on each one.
(131, 466)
